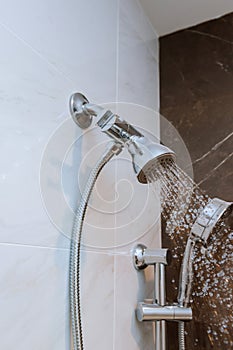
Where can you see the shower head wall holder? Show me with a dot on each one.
(157, 310)
(82, 111)
(77, 110)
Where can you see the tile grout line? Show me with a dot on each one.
(117, 98)
(147, 19)
(21, 245)
(117, 49)
(111, 252)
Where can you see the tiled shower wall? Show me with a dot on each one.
(49, 49)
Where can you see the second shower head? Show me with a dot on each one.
(146, 155)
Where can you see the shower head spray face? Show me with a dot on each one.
(148, 156)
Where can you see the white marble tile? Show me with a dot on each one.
(131, 287)
(135, 25)
(138, 76)
(138, 79)
(78, 38)
(34, 298)
(34, 104)
(33, 97)
(98, 300)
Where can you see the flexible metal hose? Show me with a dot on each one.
(186, 274)
(181, 335)
(75, 247)
(186, 277)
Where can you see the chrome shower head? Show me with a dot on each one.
(146, 155)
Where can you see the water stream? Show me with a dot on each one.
(181, 202)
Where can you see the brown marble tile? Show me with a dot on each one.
(196, 67)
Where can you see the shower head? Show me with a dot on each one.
(149, 156)
(208, 218)
(146, 155)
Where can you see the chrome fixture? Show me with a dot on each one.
(82, 111)
(208, 218)
(144, 257)
(158, 310)
(155, 312)
(145, 154)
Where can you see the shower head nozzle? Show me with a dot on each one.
(150, 156)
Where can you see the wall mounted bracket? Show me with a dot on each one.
(158, 311)
(77, 103)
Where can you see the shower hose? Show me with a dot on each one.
(75, 248)
(185, 287)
